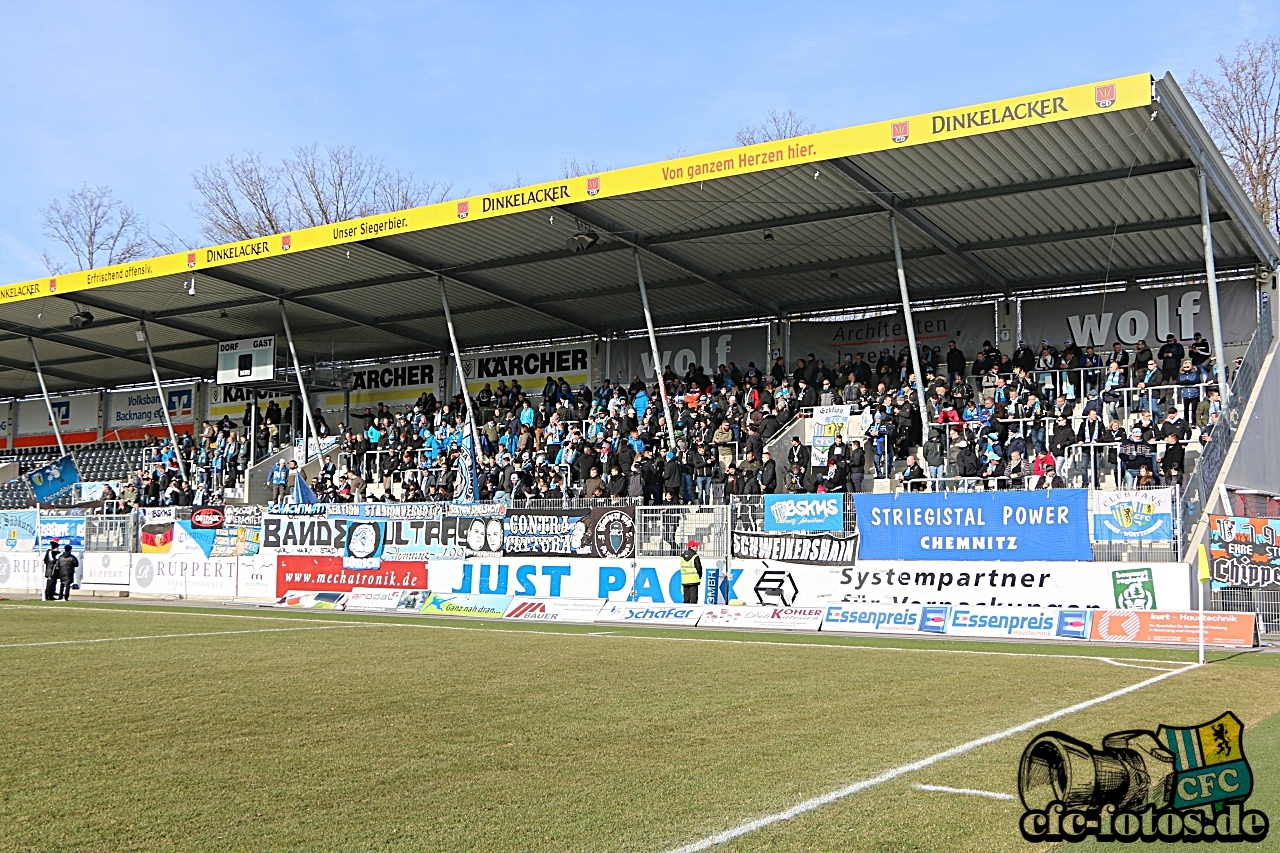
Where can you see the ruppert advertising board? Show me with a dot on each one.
(976, 526)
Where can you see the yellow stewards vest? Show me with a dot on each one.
(688, 571)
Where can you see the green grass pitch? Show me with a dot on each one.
(183, 729)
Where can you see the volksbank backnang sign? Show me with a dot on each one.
(978, 526)
(804, 512)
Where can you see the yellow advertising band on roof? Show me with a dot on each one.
(1027, 111)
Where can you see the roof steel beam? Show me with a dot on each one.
(1175, 106)
(641, 243)
(1086, 233)
(506, 294)
(94, 347)
(70, 376)
(889, 200)
(276, 293)
(128, 314)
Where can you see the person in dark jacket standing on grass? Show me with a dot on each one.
(67, 563)
(51, 572)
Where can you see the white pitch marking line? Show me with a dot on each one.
(427, 623)
(889, 775)
(1135, 666)
(163, 636)
(942, 789)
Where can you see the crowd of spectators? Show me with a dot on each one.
(996, 421)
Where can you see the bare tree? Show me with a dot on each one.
(1242, 109)
(571, 168)
(777, 125)
(245, 198)
(97, 228)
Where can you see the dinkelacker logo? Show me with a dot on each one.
(1174, 784)
(1104, 96)
(901, 130)
(464, 208)
(593, 186)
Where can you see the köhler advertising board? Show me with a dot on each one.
(977, 526)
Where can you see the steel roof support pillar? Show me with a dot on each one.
(48, 404)
(653, 354)
(462, 378)
(307, 421)
(1214, 315)
(164, 404)
(911, 329)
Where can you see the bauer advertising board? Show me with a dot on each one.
(976, 526)
(576, 610)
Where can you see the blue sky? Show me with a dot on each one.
(137, 95)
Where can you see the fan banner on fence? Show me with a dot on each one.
(65, 525)
(828, 422)
(1024, 585)
(1244, 551)
(18, 526)
(1144, 514)
(817, 512)
(1174, 627)
(976, 526)
(817, 548)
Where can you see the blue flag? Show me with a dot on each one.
(53, 480)
(302, 493)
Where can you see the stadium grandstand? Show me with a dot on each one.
(1076, 277)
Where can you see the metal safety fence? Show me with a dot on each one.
(665, 531)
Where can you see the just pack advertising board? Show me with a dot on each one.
(1150, 586)
(650, 579)
(632, 356)
(575, 363)
(1136, 314)
(817, 512)
(835, 343)
(1126, 516)
(1244, 551)
(977, 526)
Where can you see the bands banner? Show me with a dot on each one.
(816, 548)
(1244, 551)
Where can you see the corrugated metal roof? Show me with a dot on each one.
(1107, 197)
